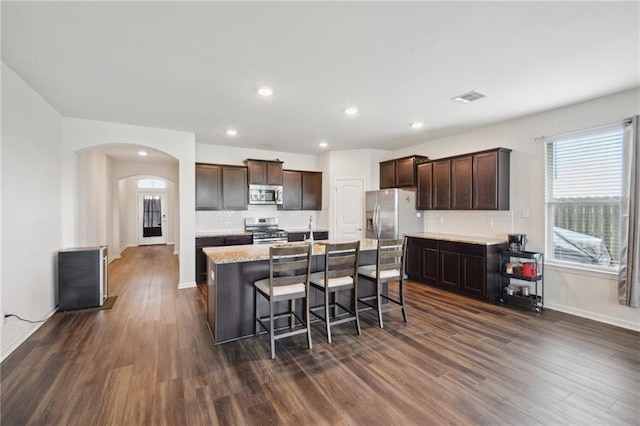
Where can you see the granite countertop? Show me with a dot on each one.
(458, 238)
(249, 253)
(201, 234)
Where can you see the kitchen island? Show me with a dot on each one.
(231, 272)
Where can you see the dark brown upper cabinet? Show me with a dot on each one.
(461, 185)
(400, 172)
(442, 185)
(475, 181)
(235, 190)
(424, 192)
(311, 190)
(491, 172)
(221, 187)
(264, 172)
(208, 187)
(301, 190)
(291, 190)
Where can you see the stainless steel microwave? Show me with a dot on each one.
(265, 194)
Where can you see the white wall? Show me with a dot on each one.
(93, 197)
(218, 154)
(31, 194)
(592, 296)
(79, 135)
(349, 164)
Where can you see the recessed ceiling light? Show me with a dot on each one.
(142, 153)
(265, 91)
(471, 96)
(351, 111)
(232, 132)
(417, 125)
(323, 144)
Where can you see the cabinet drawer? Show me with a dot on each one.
(422, 243)
(462, 248)
(238, 240)
(209, 241)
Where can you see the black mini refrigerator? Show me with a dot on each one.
(82, 277)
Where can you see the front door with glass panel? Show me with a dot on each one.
(152, 219)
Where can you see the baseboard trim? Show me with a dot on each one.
(596, 317)
(24, 336)
(188, 284)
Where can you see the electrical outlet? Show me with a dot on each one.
(525, 213)
(491, 222)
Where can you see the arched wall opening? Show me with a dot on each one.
(89, 183)
(107, 194)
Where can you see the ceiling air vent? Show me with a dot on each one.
(471, 96)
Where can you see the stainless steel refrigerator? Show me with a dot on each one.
(391, 213)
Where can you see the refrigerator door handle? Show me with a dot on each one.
(377, 221)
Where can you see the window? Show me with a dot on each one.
(583, 182)
(152, 183)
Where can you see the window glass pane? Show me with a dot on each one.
(152, 183)
(583, 187)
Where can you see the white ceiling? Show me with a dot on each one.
(196, 66)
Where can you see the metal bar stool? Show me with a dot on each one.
(289, 269)
(389, 268)
(340, 273)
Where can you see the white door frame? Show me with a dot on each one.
(163, 214)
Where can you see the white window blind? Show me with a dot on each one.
(583, 182)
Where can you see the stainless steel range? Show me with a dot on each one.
(265, 230)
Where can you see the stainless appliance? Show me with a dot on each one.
(265, 194)
(82, 277)
(517, 242)
(265, 230)
(391, 213)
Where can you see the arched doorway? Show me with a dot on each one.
(108, 207)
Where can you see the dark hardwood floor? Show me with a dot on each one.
(150, 360)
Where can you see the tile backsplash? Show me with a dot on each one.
(232, 221)
(493, 224)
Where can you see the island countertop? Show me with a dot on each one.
(249, 253)
(485, 241)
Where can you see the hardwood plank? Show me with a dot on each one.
(151, 360)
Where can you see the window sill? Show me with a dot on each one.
(586, 270)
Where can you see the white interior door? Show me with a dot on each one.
(349, 210)
(152, 218)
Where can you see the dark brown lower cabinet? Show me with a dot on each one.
(472, 269)
(423, 260)
(226, 240)
(301, 236)
(449, 269)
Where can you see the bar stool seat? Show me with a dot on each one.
(390, 261)
(289, 270)
(340, 273)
